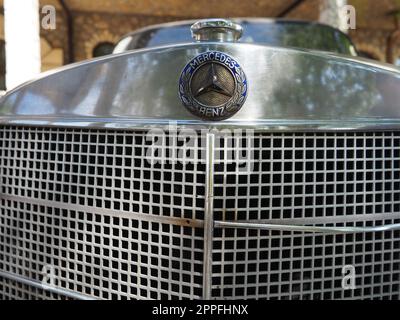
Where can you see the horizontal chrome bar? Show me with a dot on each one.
(184, 222)
(41, 286)
(308, 229)
(283, 125)
(332, 219)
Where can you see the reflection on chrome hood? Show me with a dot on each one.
(287, 88)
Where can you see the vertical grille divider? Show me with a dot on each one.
(208, 217)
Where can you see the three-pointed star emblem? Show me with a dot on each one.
(212, 84)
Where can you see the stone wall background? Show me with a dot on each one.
(95, 28)
(95, 23)
(92, 28)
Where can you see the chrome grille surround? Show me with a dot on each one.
(115, 226)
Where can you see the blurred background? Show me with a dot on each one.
(90, 28)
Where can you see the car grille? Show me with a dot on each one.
(96, 215)
(16, 290)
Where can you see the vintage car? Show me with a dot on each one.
(260, 160)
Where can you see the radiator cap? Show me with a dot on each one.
(221, 30)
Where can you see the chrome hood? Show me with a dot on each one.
(287, 89)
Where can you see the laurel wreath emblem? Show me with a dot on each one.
(230, 108)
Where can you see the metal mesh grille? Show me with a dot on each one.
(114, 225)
(13, 290)
(321, 176)
(339, 179)
(102, 169)
(254, 264)
(88, 205)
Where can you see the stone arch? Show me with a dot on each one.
(372, 51)
(397, 60)
(2, 27)
(397, 54)
(104, 36)
(51, 57)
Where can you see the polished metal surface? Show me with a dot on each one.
(290, 90)
(115, 223)
(273, 32)
(216, 30)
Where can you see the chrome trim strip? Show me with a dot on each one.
(259, 125)
(38, 285)
(333, 219)
(109, 212)
(307, 229)
(209, 218)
